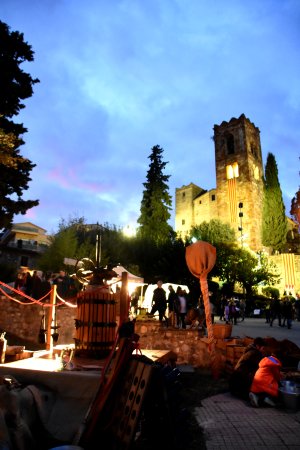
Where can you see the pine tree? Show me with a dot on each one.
(156, 201)
(15, 86)
(274, 226)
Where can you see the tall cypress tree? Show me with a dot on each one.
(274, 226)
(15, 86)
(156, 201)
(295, 208)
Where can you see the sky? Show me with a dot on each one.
(118, 77)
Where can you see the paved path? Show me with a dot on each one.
(230, 423)
(253, 327)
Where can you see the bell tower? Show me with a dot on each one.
(239, 178)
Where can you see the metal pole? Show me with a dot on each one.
(124, 306)
(51, 317)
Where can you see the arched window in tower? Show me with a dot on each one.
(232, 171)
(230, 144)
(256, 173)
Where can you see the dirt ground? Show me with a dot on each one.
(170, 424)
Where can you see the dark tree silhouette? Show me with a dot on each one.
(156, 201)
(15, 86)
(274, 226)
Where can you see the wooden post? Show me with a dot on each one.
(124, 298)
(51, 316)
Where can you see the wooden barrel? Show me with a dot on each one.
(95, 323)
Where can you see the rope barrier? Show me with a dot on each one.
(32, 300)
(14, 299)
(65, 302)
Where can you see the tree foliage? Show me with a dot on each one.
(214, 232)
(15, 86)
(274, 226)
(63, 245)
(295, 208)
(241, 266)
(156, 201)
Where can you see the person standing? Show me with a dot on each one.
(134, 302)
(171, 303)
(63, 284)
(275, 311)
(232, 312)
(182, 303)
(223, 303)
(159, 302)
(287, 312)
(36, 283)
(268, 311)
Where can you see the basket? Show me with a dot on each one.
(222, 330)
(289, 394)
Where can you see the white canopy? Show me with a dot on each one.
(131, 278)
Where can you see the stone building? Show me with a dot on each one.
(238, 196)
(23, 244)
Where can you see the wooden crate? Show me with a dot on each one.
(222, 331)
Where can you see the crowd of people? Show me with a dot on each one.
(176, 308)
(283, 310)
(37, 284)
(176, 302)
(232, 309)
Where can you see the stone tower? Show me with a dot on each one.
(239, 172)
(184, 218)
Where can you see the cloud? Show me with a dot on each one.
(119, 77)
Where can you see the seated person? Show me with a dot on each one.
(242, 376)
(264, 388)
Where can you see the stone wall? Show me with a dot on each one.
(24, 321)
(191, 347)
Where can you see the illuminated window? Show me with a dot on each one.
(232, 171)
(235, 169)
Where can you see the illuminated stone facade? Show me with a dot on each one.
(238, 196)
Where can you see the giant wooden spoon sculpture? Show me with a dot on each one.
(200, 258)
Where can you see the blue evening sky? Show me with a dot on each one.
(120, 76)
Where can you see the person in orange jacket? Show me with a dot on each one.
(265, 384)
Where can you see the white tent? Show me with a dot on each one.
(133, 280)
